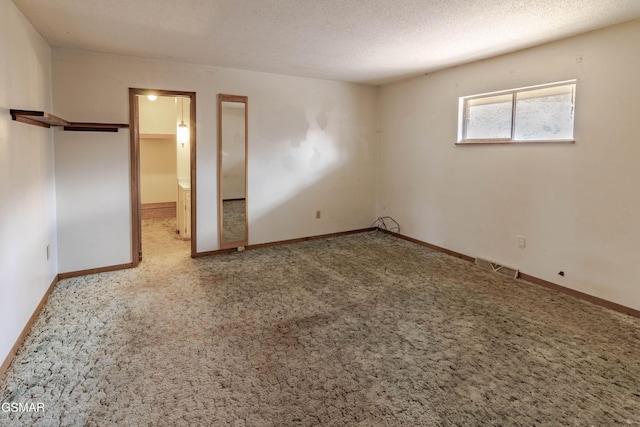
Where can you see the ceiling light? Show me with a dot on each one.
(152, 97)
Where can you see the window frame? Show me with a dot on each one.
(463, 106)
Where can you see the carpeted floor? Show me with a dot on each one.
(361, 330)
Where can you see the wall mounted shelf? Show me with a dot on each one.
(40, 118)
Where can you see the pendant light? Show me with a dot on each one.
(183, 130)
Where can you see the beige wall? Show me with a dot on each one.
(576, 204)
(158, 179)
(159, 156)
(27, 193)
(312, 145)
(184, 156)
(157, 117)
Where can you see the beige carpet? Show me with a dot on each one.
(362, 330)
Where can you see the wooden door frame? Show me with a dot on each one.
(134, 147)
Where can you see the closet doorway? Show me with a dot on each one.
(163, 172)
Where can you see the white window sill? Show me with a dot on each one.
(514, 142)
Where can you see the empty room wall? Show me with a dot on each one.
(27, 190)
(312, 146)
(576, 204)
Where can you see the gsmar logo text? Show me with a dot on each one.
(22, 407)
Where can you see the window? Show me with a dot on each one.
(534, 114)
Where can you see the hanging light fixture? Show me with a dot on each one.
(183, 129)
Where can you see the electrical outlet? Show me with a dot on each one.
(522, 242)
(48, 252)
(317, 214)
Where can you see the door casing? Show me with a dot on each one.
(134, 147)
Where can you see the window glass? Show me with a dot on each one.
(540, 114)
(544, 114)
(489, 117)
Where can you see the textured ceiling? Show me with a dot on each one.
(367, 41)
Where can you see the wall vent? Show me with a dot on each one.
(502, 269)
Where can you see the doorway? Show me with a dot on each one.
(163, 171)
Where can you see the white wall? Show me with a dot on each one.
(576, 204)
(311, 146)
(27, 191)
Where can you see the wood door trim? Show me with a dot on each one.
(134, 163)
(134, 144)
